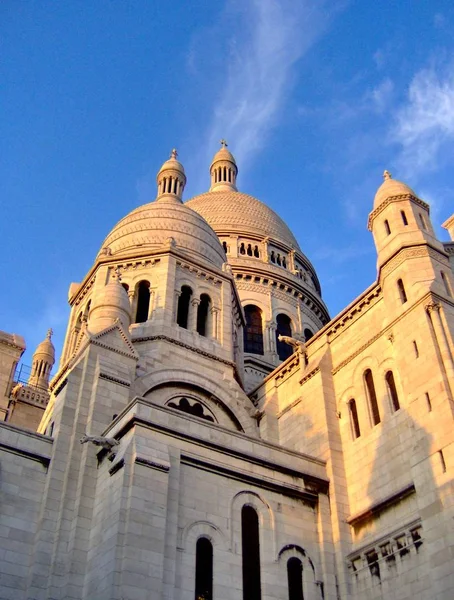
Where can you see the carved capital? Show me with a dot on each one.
(433, 306)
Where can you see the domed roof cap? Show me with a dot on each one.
(162, 225)
(46, 347)
(113, 295)
(230, 212)
(172, 164)
(391, 187)
(223, 154)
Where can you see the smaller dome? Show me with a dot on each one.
(172, 164)
(223, 154)
(46, 348)
(109, 304)
(390, 187)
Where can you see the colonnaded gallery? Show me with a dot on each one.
(211, 434)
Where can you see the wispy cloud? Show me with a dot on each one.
(425, 123)
(272, 37)
(381, 95)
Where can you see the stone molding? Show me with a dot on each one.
(404, 254)
(200, 273)
(391, 199)
(152, 338)
(115, 379)
(355, 312)
(382, 504)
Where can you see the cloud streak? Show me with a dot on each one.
(273, 35)
(425, 123)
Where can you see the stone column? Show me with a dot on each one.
(132, 301)
(214, 311)
(265, 250)
(151, 303)
(175, 308)
(192, 316)
(433, 311)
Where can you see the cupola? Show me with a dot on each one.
(171, 179)
(42, 363)
(223, 170)
(108, 305)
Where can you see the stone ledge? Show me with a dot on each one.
(382, 504)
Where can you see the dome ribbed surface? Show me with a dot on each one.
(152, 225)
(235, 212)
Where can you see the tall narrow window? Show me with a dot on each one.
(251, 554)
(392, 391)
(253, 332)
(242, 249)
(224, 245)
(354, 418)
(295, 578)
(143, 301)
(183, 306)
(429, 403)
(369, 380)
(404, 217)
(203, 570)
(256, 252)
(284, 327)
(387, 227)
(402, 293)
(307, 334)
(273, 257)
(202, 314)
(446, 283)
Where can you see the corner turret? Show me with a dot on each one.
(223, 170)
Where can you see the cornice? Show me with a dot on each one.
(406, 252)
(389, 200)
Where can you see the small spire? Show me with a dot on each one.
(387, 175)
(50, 333)
(174, 154)
(223, 143)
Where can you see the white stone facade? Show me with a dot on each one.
(343, 452)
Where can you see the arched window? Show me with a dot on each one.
(284, 327)
(224, 245)
(295, 578)
(125, 286)
(387, 227)
(307, 334)
(392, 391)
(143, 301)
(354, 418)
(203, 570)
(183, 306)
(401, 288)
(369, 381)
(256, 252)
(253, 332)
(202, 314)
(273, 257)
(278, 259)
(242, 249)
(404, 217)
(284, 262)
(249, 250)
(251, 553)
(446, 283)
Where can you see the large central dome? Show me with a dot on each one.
(231, 211)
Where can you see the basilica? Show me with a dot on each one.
(211, 433)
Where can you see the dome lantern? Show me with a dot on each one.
(171, 179)
(223, 170)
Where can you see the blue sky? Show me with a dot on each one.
(315, 98)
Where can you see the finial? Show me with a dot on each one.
(117, 274)
(387, 175)
(223, 143)
(174, 154)
(50, 333)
